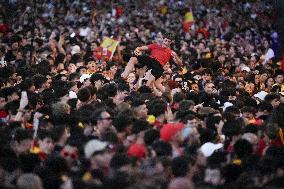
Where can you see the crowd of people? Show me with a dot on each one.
(173, 108)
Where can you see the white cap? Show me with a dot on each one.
(245, 68)
(226, 105)
(261, 95)
(268, 55)
(72, 94)
(84, 77)
(94, 146)
(75, 50)
(209, 148)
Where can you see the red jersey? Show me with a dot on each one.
(161, 54)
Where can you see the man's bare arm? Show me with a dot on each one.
(176, 58)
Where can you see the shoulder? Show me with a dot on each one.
(153, 45)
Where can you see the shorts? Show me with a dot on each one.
(151, 63)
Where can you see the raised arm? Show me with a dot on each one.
(142, 48)
(176, 59)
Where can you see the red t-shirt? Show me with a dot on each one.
(161, 54)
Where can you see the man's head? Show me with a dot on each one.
(207, 75)
(97, 152)
(41, 82)
(92, 66)
(70, 151)
(209, 88)
(45, 141)
(72, 68)
(140, 108)
(168, 39)
(97, 80)
(273, 99)
(102, 119)
(22, 141)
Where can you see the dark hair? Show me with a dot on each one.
(180, 166)
(42, 134)
(268, 98)
(248, 109)
(28, 162)
(21, 134)
(232, 128)
(7, 91)
(122, 86)
(144, 89)
(12, 106)
(150, 136)
(162, 148)
(39, 80)
(74, 76)
(122, 121)
(57, 132)
(265, 106)
(80, 68)
(140, 125)
(59, 59)
(170, 36)
(178, 97)
(92, 89)
(251, 128)
(156, 108)
(48, 96)
(84, 94)
(212, 120)
(95, 77)
(277, 116)
(96, 115)
(111, 89)
(216, 159)
(27, 84)
(206, 135)
(243, 148)
(84, 113)
(267, 165)
(57, 164)
(119, 160)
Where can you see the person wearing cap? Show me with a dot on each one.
(75, 50)
(159, 56)
(96, 151)
(172, 133)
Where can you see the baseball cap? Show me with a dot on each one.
(137, 150)
(94, 146)
(169, 130)
(261, 95)
(209, 148)
(245, 68)
(75, 49)
(84, 77)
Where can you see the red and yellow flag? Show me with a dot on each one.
(108, 47)
(188, 21)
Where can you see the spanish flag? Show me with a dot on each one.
(188, 21)
(108, 47)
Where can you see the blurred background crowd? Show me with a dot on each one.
(69, 121)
